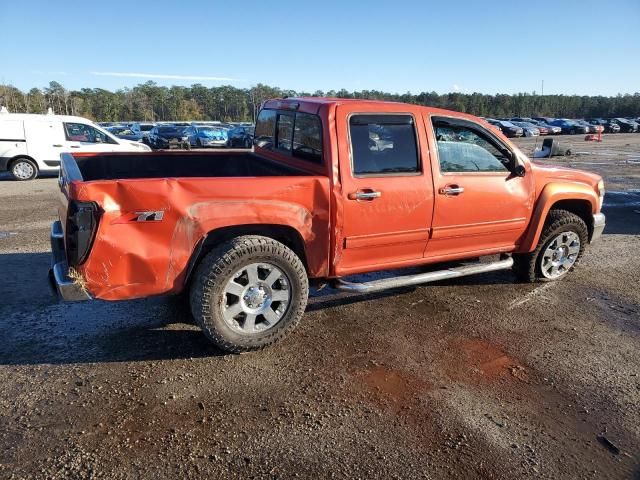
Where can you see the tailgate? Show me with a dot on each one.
(73, 233)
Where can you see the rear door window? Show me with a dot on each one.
(383, 144)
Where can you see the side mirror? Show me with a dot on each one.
(519, 171)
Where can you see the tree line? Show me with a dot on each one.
(151, 102)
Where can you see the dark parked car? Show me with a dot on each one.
(145, 128)
(635, 122)
(207, 136)
(626, 126)
(125, 133)
(241, 136)
(507, 128)
(592, 128)
(609, 126)
(168, 136)
(569, 126)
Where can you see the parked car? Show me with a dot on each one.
(590, 128)
(207, 136)
(635, 123)
(625, 125)
(126, 133)
(551, 129)
(569, 127)
(507, 128)
(31, 144)
(529, 129)
(494, 126)
(547, 120)
(608, 125)
(247, 236)
(145, 128)
(168, 136)
(241, 136)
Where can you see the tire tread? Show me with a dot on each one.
(525, 265)
(218, 263)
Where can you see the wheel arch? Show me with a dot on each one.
(15, 158)
(576, 198)
(285, 234)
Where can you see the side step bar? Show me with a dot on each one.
(405, 281)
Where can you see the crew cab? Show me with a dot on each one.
(332, 189)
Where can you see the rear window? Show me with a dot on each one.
(383, 144)
(293, 133)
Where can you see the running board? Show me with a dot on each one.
(395, 282)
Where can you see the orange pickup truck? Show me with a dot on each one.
(333, 188)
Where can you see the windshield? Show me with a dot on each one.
(171, 130)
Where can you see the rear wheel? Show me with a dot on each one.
(248, 293)
(24, 169)
(560, 247)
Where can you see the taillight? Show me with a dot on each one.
(82, 223)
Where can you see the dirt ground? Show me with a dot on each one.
(476, 378)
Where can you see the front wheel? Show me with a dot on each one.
(248, 293)
(24, 169)
(560, 247)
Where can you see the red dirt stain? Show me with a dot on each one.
(475, 356)
(387, 382)
(395, 386)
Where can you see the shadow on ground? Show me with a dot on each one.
(38, 328)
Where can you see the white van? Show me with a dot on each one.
(30, 143)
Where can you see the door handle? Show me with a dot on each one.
(451, 190)
(75, 146)
(367, 194)
(57, 145)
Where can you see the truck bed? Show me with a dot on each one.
(112, 166)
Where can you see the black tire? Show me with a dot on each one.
(23, 169)
(218, 267)
(527, 266)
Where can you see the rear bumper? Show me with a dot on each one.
(598, 226)
(70, 290)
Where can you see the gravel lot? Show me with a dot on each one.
(475, 378)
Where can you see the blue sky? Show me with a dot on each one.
(577, 47)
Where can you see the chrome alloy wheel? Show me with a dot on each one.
(23, 170)
(255, 298)
(560, 255)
